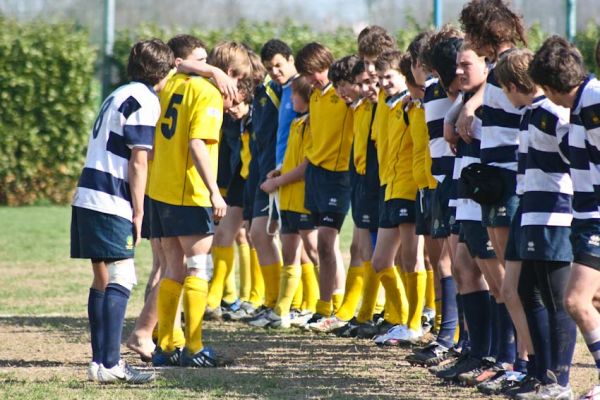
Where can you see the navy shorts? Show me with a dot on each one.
(398, 212)
(365, 205)
(260, 205)
(99, 236)
(383, 215)
(146, 224)
(235, 191)
(250, 190)
(441, 214)
(585, 239)
(475, 237)
(294, 222)
(326, 191)
(423, 212)
(502, 213)
(546, 243)
(513, 244)
(169, 220)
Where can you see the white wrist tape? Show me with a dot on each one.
(202, 264)
(122, 272)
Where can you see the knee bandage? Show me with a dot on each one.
(202, 264)
(122, 272)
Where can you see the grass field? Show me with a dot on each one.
(44, 345)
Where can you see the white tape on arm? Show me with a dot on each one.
(202, 264)
(122, 273)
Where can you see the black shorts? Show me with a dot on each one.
(502, 213)
(235, 190)
(146, 224)
(441, 213)
(476, 238)
(170, 220)
(398, 212)
(423, 212)
(585, 239)
(365, 204)
(326, 191)
(99, 236)
(328, 219)
(250, 190)
(513, 244)
(294, 222)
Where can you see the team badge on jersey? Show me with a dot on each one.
(129, 244)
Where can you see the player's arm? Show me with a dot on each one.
(464, 124)
(202, 163)
(226, 85)
(295, 175)
(450, 134)
(138, 173)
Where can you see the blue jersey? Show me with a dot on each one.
(547, 187)
(286, 115)
(584, 150)
(265, 116)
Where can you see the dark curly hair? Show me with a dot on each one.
(489, 23)
(446, 32)
(374, 40)
(417, 45)
(150, 61)
(273, 47)
(558, 65)
(341, 70)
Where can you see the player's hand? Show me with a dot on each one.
(226, 85)
(137, 228)
(465, 122)
(269, 186)
(273, 173)
(218, 205)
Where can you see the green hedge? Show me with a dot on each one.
(47, 106)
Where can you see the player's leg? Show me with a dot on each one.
(416, 277)
(244, 264)
(268, 256)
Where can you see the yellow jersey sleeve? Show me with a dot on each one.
(399, 163)
(379, 136)
(291, 197)
(332, 126)
(421, 155)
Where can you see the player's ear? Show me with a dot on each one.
(291, 59)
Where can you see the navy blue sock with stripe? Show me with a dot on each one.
(449, 313)
(507, 349)
(114, 307)
(477, 310)
(96, 321)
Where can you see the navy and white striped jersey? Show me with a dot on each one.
(584, 150)
(523, 144)
(436, 104)
(127, 119)
(467, 209)
(547, 186)
(500, 129)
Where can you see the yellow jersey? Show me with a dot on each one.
(399, 163)
(363, 118)
(332, 125)
(192, 108)
(379, 134)
(420, 137)
(291, 197)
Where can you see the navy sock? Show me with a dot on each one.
(564, 336)
(373, 238)
(449, 312)
(520, 365)
(531, 364)
(495, 328)
(539, 328)
(479, 322)
(464, 334)
(115, 305)
(507, 350)
(95, 300)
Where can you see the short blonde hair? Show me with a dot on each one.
(231, 56)
(512, 67)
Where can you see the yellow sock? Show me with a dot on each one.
(438, 314)
(457, 333)
(324, 308)
(288, 285)
(310, 287)
(390, 312)
(370, 293)
(297, 300)
(244, 265)
(403, 276)
(222, 260)
(380, 302)
(415, 291)
(395, 293)
(430, 291)
(230, 288)
(195, 292)
(336, 301)
(167, 303)
(257, 290)
(354, 289)
(271, 277)
(178, 337)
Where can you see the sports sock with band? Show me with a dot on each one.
(290, 278)
(430, 291)
(324, 308)
(271, 275)
(113, 313)
(477, 309)
(461, 335)
(395, 295)
(354, 289)
(169, 293)
(310, 287)
(195, 292)
(223, 260)
(370, 293)
(257, 290)
(96, 320)
(416, 283)
(449, 313)
(230, 294)
(245, 274)
(299, 294)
